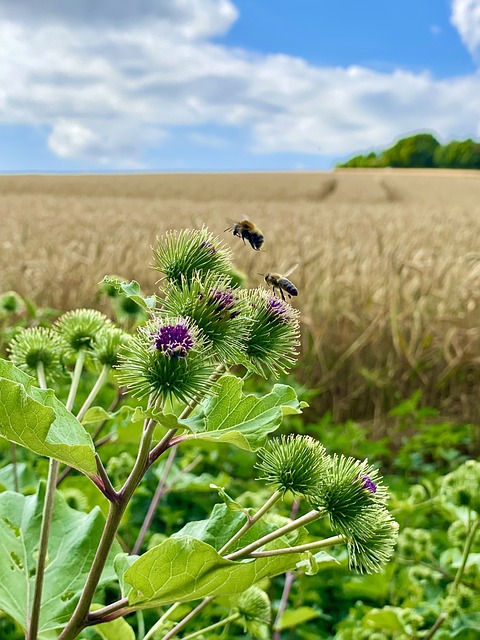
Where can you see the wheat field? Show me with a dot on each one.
(388, 265)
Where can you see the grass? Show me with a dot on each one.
(389, 265)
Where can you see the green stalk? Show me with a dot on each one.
(275, 497)
(13, 456)
(309, 517)
(94, 392)
(32, 627)
(79, 619)
(466, 551)
(47, 514)
(77, 372)
(300, 548)
(211, 627)
(179, 626)
(161, 620)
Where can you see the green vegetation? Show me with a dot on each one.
(421, 151)
(128, 531)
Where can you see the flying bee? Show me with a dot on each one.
(246, 230)
(277, 281)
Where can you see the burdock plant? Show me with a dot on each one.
(176, 371)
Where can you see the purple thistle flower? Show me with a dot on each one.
(175, 340)
(224, 299)
(278, 310)
(369, 484)
(209, 246)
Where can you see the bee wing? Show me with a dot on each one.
(291, 270)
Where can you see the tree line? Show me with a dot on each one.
(422, 151)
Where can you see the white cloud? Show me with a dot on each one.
(466, 19)
(111, 82)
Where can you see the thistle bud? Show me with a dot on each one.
(181, 255)
(274, 334)
(292, 463)
(35, 346)
(79, 330)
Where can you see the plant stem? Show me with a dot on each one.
(275, 497)
(161, 620)
(13, 456)
(466, 551)
(179, 626)
(79, 619)
(311, 516)
(41, 375)
(300, 548)
(43, 547)
(93, 393)
(154, 503)
(94, 616)
(458, 576)
(287, 587)
(47, 513)
(211, 627)
(77, 372)
(289, 579)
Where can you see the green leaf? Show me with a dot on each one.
(113, 630)
(312, 563)
(131, 290)
(98, 414)
(468, 621)
(295, 617)
(26, 476)
(242, 420)
(72, 545)
(37, 420)
(184, 569)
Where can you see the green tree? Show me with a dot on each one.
(414, 151)
(463, 154)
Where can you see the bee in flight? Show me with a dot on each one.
(277, 281)
(246, 230)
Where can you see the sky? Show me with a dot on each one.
(230, 85)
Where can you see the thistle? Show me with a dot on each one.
(179, 256)
(274, 333)
(107, 345)
(350, 492)
(166, 358)
(36, 347)
(217, 309)
(292, 463)
(79, 330)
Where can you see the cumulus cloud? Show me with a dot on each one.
(466, 19)
(111, 82)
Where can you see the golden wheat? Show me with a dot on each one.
(389, 264)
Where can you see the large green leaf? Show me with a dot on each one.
(183, 569)
(37, 420)
(72, 545)
(242, 420)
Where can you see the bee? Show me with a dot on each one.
(277, 281)
(246, 230)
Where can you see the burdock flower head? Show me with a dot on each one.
(107, 345)
(217, 309)
(351, 493)
(79, 330)
(346, 492)
(180, 255)
(34, 348)
(292, 463)
(166, 358)
(274, 334)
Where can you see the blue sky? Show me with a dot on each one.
(226, 85)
